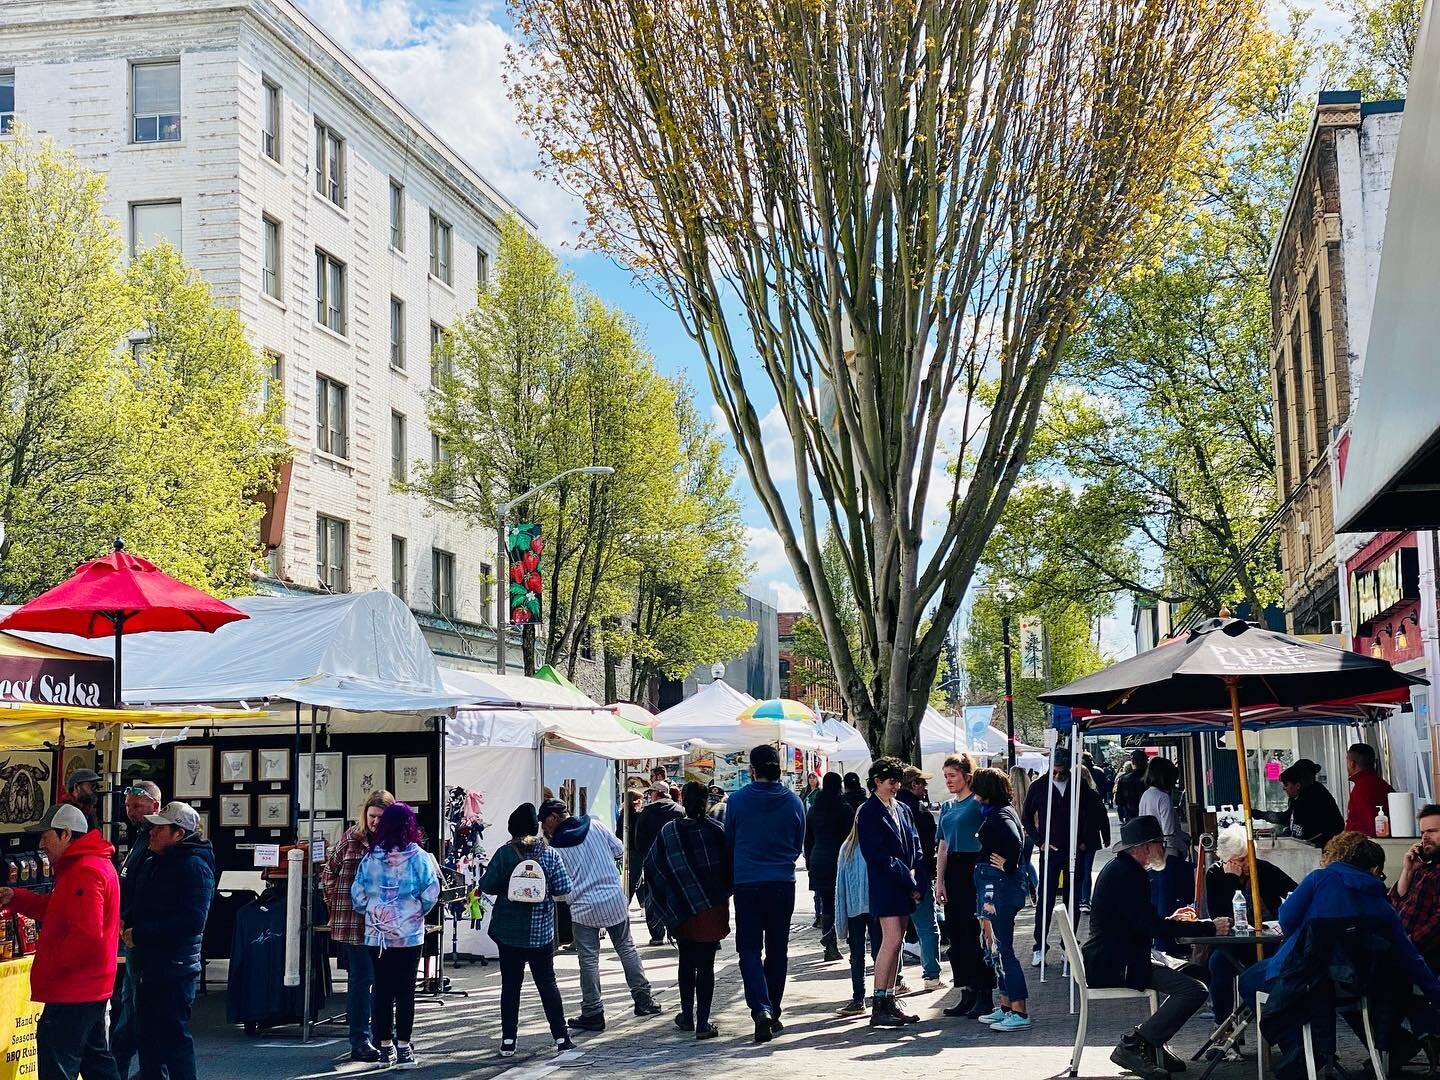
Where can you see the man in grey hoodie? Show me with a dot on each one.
(597, 902)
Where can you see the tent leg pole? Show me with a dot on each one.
(1045, 903)
(1072, 887)
(308, 952)
(1234, 684)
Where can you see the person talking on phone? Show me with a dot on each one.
(1416, 896)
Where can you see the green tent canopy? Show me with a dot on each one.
(550, 675)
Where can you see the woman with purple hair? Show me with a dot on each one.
(395, 885)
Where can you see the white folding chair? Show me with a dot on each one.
(1086, 995)
(1377, 1059)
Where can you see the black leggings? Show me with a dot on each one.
(697, 979)
(512, 977)
(967, 963)
(393, 1004)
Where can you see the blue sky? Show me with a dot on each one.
(444, 58)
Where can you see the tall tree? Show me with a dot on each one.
(889, 203)
(1379, 43)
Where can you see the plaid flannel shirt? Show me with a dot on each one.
(1419, 909)
(347, 926)
(688, 869)
(523, 926)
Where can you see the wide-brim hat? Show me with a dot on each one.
(1300, 772)
(1144, 829)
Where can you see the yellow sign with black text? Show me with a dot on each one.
(18, 1017)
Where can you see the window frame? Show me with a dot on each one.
(397, 333)
(440, 454)
(326, 530)
(271, 283)
(7, 118)
(442, 249)
(177, 116)
(141, 204)
(399, 566)
(482, 268)
(325, 267)
(442, 586)
(397, 215)
(329, 435)
(329, 161)
(270, 119)
(439, 351)
(274, 375)
(399, 447)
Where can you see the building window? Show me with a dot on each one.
(397, 333)
(329, 291)
(270, 257)
(331, 557)
(397, 215)
(439, 249)
(399, 471)
(482, 268)
(155, 102)
(329, 164)
(1317, 373)
(153, 223)
(330, 416)
(399, 566)
(274, 385)
(440, 463)
(442, 577)
(441, 362)
(7, 102)
(487, 596)
(270, 119)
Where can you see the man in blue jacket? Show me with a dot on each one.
(142, 798)
(162, 929)
(765, 831)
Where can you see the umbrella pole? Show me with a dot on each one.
(1234, 684)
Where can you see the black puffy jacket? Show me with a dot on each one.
(169, 903)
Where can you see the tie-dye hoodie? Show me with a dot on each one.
(394, 890)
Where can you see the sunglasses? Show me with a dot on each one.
(133, 790)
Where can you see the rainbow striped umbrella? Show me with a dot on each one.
(779, 709)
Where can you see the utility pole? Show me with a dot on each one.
(1009, 688)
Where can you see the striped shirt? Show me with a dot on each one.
(596, 898)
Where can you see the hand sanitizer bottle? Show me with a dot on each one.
(1382, 823)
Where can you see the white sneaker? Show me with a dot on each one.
(1037, 958)
(936, 983)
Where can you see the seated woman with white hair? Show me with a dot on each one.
(1229, 873)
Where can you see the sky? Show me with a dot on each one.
(444, 59)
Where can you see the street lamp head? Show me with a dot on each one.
(596, 470)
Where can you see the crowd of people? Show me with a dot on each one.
(880, 863)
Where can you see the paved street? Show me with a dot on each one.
(460, 1036)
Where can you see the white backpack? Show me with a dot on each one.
(527, 883)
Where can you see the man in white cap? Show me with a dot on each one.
(142, 798)
(164, 922)
(74, 970)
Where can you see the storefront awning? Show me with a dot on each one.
(1392, 466)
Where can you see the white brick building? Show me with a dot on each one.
(343, 230)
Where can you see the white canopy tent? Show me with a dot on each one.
(712, 715)
(852, 754)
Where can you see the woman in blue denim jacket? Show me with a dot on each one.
(1000, 894)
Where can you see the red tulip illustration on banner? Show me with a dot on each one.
(524, 545)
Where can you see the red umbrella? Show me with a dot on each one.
(120, 594)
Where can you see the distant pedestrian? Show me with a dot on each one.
(597, 902)
(958, 852)
(765, 832)
(74, 968)
(82, 790)
(827, 824)
(163, 926)
(1172, 886)
(142, 798)
(855, 793)
(1000, 894)
(812, 790)
(1369, 794)
(1020, 786)
(915, 794)
(718, 803)
(634, 802)
(1045, 819)
(526, 877)
(1312, 815)
(347, 926)
(396, 884)
(688, 869)
(659, 812)
(1131, 786)
(892, 853)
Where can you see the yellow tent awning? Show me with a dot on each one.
(23, 725)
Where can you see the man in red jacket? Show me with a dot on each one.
(1368, 793)
(74, 969)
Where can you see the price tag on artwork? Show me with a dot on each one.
(267, 854)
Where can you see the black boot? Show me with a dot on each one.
(963, 1006)
(1136, 1055)
(832, 951)
(984, 1003)
(882, 1015)
(905, 1017)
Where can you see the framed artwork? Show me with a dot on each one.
(25, 784)
(331, 829)
(202, 827)
(274, 764)
(194, 766)
(235, 811)
(364, 773)
(412, 779)
(274, 811)
(75, 760)
(235, 766)
(328, 783)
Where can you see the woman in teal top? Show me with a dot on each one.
(955, 889)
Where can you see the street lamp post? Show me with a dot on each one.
(1009, 689)
(502, 580)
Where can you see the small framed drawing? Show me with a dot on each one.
(274, 811)
(235, 766)
(328, 783)
(202, 827)
(364, 773)
(331, 829)
(193, 768)
(412, 779)
(235, 811)
(274, 764)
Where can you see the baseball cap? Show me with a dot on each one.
(764, 754)
(62, 816)
(83, 776)
(552, 806)
(178, 814)
(912, 774)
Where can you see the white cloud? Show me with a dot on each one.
(772, 580)
(447, 68)
(779, 447)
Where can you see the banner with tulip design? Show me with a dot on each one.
(524, 545)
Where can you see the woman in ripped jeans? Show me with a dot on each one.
(1000, 894)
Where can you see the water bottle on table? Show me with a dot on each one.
(1239, 913)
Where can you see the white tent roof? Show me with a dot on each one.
(712, 714)
(359, 652)
(940, 734)
(852, 750)
(530, 710)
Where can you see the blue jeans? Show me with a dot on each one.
(163, 1001)
(360, 984)
(928, 932)
(999, 896)
(858, 928)
(762, 925)
(1084, 871)
(122, 1021)
(1027, 866)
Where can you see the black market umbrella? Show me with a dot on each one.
(1258, 677)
